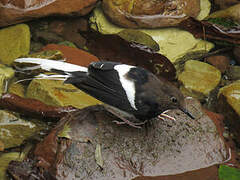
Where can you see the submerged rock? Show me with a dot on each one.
(56, 93)
(95, 147)
(6, 73)
(14, 130)
(199, 78)
(150, 13)
(12, 12)
(229, 105)
(5, 159)
(220, 62)
(168, 39)
(14, 42)
(233, 73)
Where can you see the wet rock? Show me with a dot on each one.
(229, 105)
(164, 148)
(16, 88)
(150, 14)
(46, 37)
(12, 12)
(5, 159)
(199, 78)
(205, 6)
(14, 42)
(139, 37)
(233, 73)
(220, 62)
(56, 93)
(6, 73)
(69, 30)
(169, 39)
(13, 130)
(73, 55)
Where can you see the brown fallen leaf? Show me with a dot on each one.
(32, 107)
(111, 47)
(207, 30)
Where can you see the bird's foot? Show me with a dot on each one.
(163, 116)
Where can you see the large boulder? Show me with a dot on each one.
(150, 13)
(12, 12)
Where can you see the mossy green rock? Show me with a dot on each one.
(56, 93)
(5, 159)
(13, 130)
(6, 71)
(14, 42)
(174, 43)
(232, 95)
(137, 36)
(199, 78)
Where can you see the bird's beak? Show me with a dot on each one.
(187, 113)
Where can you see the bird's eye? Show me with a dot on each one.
(174, 100)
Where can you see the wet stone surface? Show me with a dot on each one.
(163, 148)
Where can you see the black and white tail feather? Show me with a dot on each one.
(126, 90)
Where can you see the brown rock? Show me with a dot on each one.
(73, 55)
(220, 62)
(150, 13)
(69, 30)
(12, 12)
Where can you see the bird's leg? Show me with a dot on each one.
(163, 116)
(124, 117)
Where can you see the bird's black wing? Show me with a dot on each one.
(102, 82)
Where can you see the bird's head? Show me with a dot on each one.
(169, 96)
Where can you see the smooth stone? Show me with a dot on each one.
(170, 40)
(205, 6)
(14, 42)
(232, 94)
(229, 106)
(17, 88)
(165, 148)
(13, 130)
(12, 12)
(5, 159)
(56, 93)
(233, 73)
(150, 13)
(220, 62)
(199, 78)
(6, 73)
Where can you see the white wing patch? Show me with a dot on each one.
(52, 64)
(127, 84)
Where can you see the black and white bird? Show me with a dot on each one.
(129, 92)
